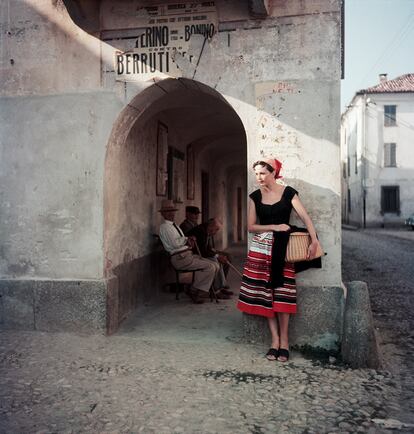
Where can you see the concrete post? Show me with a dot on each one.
(359, 347)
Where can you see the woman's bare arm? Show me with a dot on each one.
(304, 216)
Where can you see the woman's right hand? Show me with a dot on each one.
(281, 228)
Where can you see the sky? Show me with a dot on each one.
(379, 38)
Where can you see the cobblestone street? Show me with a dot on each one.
(182, 368)
(385, 260)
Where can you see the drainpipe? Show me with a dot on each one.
(363, 165)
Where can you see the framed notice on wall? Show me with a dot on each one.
(162, 153)
(190, 172)
(176, 170)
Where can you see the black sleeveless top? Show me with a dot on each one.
(277, 213)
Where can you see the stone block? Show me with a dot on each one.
(359, 346)
(72, 306)
(16, 304)
(317, 324)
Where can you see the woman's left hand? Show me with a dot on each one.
(313, 247)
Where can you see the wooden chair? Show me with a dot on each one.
(180, 285)
(178, 282)
(179, 272)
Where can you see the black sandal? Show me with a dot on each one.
(272, 352)
(283, 352)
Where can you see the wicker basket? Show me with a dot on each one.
(297, 248)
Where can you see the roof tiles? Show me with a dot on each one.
(403, 83)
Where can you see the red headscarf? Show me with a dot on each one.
(277, 165)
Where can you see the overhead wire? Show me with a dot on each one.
(393, 45)
(400, 122)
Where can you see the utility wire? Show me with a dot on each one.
(401, 33)
(400, 122)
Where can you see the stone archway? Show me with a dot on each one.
(194, 116)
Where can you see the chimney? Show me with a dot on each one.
(383, 78)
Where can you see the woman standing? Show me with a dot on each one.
(268, 286)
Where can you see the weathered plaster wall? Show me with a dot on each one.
(51, 178)
(287, 96)
(131, 189)
(284, 89)
(54, 122)
(44, 52)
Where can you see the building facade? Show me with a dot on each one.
(108, 107)
(377, 136)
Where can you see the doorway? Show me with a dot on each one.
(201, 130)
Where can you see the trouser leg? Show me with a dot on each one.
(219, 280)
(203, 278)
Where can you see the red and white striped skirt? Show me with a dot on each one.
(256, 296)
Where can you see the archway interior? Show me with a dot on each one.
(188, 132)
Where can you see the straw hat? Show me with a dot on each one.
(167, 205)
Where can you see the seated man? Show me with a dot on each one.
(182, 257)
(191, 219)
(204, 235)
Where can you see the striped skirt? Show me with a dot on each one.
(256, 296)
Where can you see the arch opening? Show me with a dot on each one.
(165, 143)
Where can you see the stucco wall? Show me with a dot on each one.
(352, 138)
(287, 96)
(44, 52)
(51, 177)
(403, 174)
(132, 190)
(60, 101)
(372, 173)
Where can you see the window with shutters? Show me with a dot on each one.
(390, 157)
(390, 199)
(390, 115)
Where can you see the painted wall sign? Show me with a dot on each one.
(167, 34)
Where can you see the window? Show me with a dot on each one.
(349, 166)
(390, 199)
(390, 159)
(390, 115)
(343, 169)
(349, 200)
(356, 163)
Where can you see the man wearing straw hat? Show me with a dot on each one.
(179, 248)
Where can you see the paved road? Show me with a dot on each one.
(182, 368)
(385, 260)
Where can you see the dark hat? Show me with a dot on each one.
(192, 210)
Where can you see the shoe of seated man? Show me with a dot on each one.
(224, 291)
(203, 294)
(194, 294)
(221, 295)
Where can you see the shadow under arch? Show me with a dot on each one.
(194, 115)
